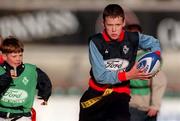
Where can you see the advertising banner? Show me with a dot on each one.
(74, 27)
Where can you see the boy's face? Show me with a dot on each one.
(114, 26)
(13, 59)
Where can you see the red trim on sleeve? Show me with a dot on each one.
(158, 52)
(122, 76)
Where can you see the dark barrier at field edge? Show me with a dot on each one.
(74, 27)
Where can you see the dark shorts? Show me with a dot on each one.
(114, 107)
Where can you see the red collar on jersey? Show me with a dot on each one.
(106, 37)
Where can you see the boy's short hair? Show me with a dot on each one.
(113, 10)
(12, 45)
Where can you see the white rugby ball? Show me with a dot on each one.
(149, 63)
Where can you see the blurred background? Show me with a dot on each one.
(55, 34)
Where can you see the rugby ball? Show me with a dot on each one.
(149, 63)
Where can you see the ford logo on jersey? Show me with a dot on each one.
(116, 64)
(14, 96)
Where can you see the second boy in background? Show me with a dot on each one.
(146, 96)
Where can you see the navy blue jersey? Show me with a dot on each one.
(108, 57)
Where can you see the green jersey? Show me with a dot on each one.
(19, 97)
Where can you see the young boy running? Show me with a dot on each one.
(18, 83)
(112, 55)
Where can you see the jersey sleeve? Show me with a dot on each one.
(5, 80)
(44, 85)
(149, 42)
